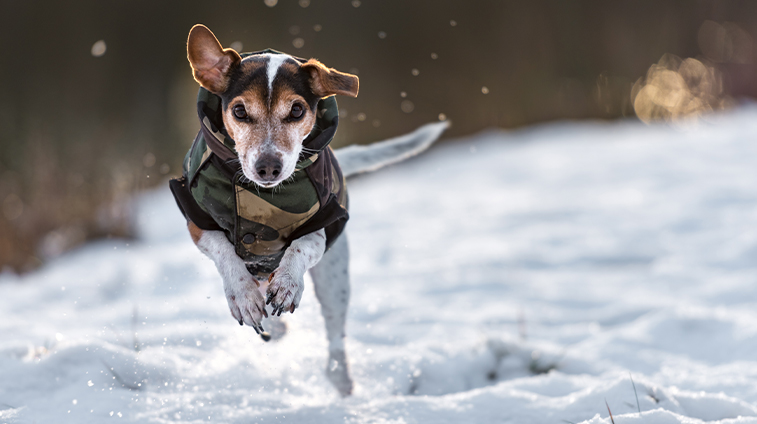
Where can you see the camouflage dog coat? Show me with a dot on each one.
(213, 194)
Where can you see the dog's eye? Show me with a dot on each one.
(239, 112)
(297, 111)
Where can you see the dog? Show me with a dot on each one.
(263, 193)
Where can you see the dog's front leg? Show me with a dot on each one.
(287, 282)
(245, 300)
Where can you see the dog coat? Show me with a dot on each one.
(261, 223)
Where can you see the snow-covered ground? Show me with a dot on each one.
(521, 277)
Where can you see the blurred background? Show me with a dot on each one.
(97, 101)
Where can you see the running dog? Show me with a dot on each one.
(263, 193)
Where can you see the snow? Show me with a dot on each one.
(520, 277)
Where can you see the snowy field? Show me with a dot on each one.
(514, 277)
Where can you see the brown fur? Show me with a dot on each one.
(210, 61)
(194, 231)
(328, 81)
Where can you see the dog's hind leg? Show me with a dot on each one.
(331, 279)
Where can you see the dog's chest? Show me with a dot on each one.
(266, 219)
(261, 223)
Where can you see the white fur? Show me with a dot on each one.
(357, 159)
(272, 68)
(245, 300)
(287, 283)
(331, 280)
(249, 157)
(288, 159)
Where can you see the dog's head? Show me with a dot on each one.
(268, 101)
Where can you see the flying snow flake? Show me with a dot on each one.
(415, 72)
(356, 3)
(149, 159)
(270, 3)
(317, 27)
(453, 22)
(407, 106)
(237, 45)
(298, 42)
(442, 117)
(382, 35)
(485, 90)
(90, 383)
(99, 48)
(304, 3)
(434, 56)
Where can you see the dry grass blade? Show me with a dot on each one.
(612, 420)
(118, 378)
(638, 406)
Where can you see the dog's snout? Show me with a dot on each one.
(268, 168)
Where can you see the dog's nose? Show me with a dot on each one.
(268, 168)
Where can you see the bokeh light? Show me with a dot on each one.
(99, 48)
(407, 106)
(676, 89)
(726, 42)
(237, 45)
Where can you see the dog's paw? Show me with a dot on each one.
(246, 302)
(338, 373)
(284, 291)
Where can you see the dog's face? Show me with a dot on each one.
(269, 102)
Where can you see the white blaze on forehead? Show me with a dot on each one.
(272, 67)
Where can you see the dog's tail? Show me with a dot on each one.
(358, 159)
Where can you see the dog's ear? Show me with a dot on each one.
(326, 82)
(210, 62)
